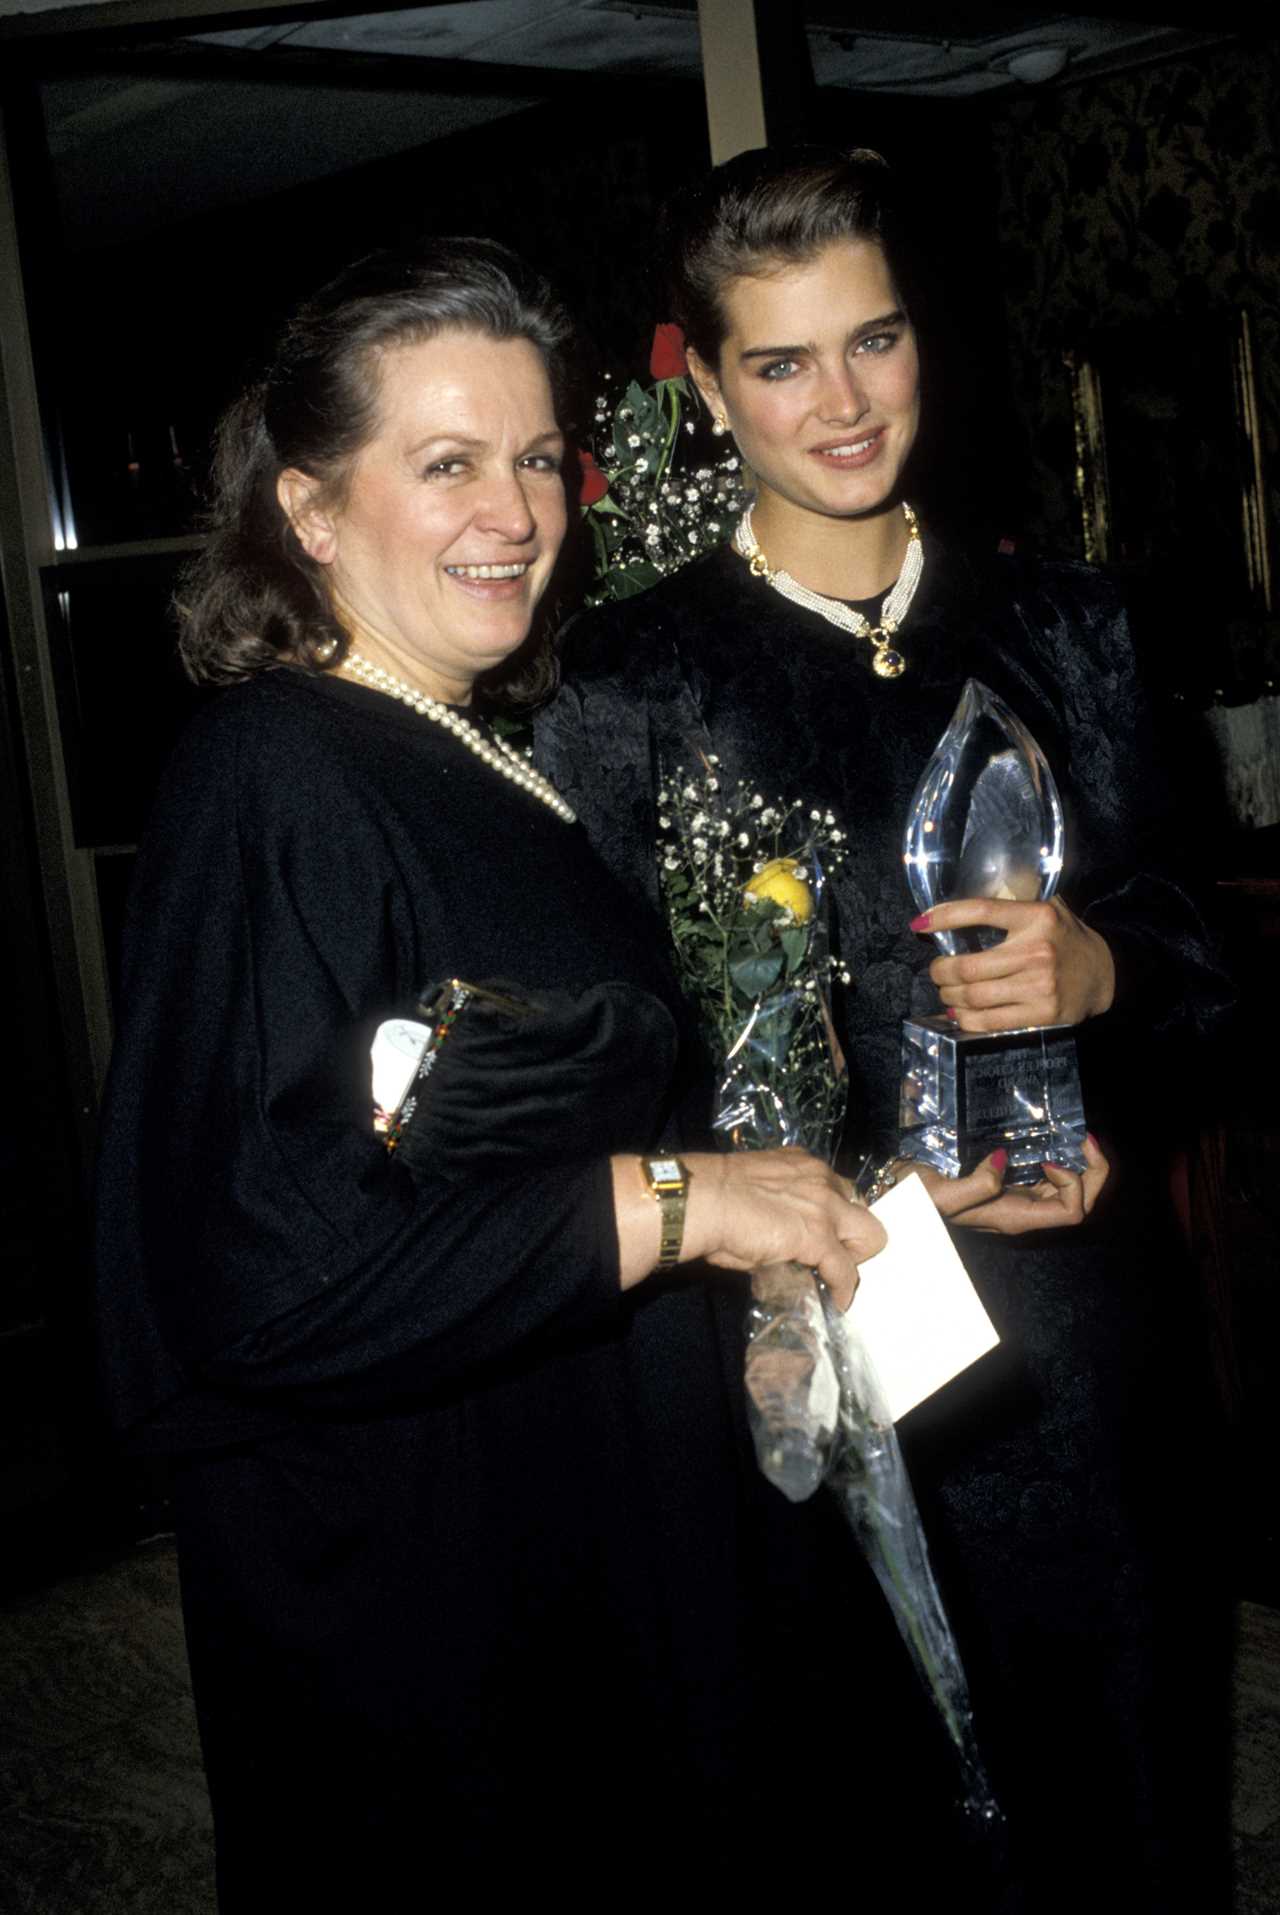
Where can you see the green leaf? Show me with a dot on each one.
(795, 942)
(752, 975)
(634, 579)
(640, 401)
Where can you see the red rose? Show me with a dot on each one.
(666, 355)
(594, 482)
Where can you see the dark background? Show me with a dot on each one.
(1128, 215)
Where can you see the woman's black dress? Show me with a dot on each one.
(477, 1568)
(1062, 1478)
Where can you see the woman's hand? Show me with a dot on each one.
(750, 1208)
(1050, 968)
(981, 1202)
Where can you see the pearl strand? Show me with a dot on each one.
(886, 661)
(499, 756)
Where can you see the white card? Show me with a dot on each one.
(917, 1311)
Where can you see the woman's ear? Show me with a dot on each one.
(708, 389)
(313, 526)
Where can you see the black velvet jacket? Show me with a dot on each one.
(713, 660)
(1056, 1522)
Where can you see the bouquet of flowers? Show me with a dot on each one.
(749, 931)
(653, 495)
(742, 880)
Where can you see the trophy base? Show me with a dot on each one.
(965, 1094)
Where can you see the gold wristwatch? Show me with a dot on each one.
(667, 1179)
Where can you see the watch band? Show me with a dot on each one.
(667, 1179)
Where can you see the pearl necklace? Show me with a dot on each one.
(886, 661)
(498, 756)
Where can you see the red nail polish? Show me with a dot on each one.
(999, 1158)
(1093, 1140)
(951, 1013)
(922, 922)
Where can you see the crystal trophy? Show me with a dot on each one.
(986, 822)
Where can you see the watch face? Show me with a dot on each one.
(666, 1170)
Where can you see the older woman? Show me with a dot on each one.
(469, 1556)
(820, 654)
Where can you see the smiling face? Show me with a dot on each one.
(819, 378)
(453, 512)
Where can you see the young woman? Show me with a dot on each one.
(820, 653)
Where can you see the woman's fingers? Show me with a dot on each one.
(1097, 1170)
(968, 914)
(1050, 968)
(780, 1206)
(952, 1196)
(1058, 1201)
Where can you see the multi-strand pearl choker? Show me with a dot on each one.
(496, 754)
(886, 660)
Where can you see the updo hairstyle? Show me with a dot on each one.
(765, 208)
(253, 599)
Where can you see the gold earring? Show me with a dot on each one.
(720, 425)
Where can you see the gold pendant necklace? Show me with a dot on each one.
(886, 660)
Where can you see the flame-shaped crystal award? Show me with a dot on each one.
(986, 822)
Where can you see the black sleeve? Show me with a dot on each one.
(1136, 870)
(252, 1231)
(1141, 881)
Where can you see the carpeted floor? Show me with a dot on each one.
(102, 1803)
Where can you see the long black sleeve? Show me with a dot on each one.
(313, 862)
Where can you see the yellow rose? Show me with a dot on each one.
(778, 882)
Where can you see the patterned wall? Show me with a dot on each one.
(1127, 202)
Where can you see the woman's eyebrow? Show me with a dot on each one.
(880, 324)
(458, 440)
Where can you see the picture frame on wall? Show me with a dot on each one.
(1169, 473)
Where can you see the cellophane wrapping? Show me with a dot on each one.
(744, 882)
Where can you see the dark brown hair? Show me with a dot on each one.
(770, 205)
(253, 599)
